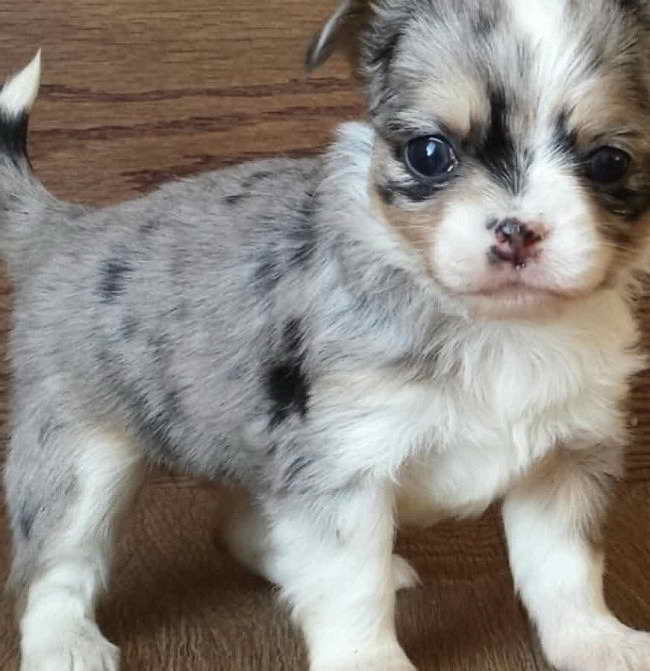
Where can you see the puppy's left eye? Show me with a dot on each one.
(430, 156)
(608, 164)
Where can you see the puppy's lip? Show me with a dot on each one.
(516, 289)
(519, 289)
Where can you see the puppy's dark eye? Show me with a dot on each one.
(430, 156)
(608, 164)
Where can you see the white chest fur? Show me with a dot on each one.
(506, 395)
(520, 391)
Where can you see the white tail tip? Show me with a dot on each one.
(20, 91)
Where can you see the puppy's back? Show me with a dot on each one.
(160, 313)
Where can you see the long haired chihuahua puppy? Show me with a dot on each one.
(434, 315)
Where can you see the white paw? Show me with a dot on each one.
(366, 664)
(404, 575)
(607, 646)
(388, 657)
(77, 647)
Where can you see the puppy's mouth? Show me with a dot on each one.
(516, 300)
(517, 291)
(528, 291)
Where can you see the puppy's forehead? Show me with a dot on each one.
(451, 56)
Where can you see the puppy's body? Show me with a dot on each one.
(341, 336)
(229, 335)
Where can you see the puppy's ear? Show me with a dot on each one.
(342, 27)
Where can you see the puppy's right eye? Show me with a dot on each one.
(430, 156)
(608, 164)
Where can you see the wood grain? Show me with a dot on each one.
(140, 91)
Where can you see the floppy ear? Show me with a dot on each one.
(342, 25)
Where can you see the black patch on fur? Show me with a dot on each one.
(297, 466)
(287, 384)
(150, 227)
(251, 180)
(128, 328)
(297, 247)
(565, 140)
(26, 519)
(629, 5)
(416, 191)
(48, 431)
(384, 54)
(386, 194)
(151, 406)
(302, 235)
(155, 420)
(113, 275)
(13, 137)
(234, 199)
(497, 150)
(267, 272)
(158, 426)
(305, 238)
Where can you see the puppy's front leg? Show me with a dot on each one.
(333, 559)
(552, 522)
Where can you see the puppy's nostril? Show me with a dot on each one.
(514, 232)
(508, 227)
(515, 242)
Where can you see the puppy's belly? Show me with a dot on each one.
(462, 482)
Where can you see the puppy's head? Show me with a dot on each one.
(513, 141)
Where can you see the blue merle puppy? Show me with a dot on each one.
(433, 315)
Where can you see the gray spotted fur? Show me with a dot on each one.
(173, 316)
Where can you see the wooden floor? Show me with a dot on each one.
(140, 91)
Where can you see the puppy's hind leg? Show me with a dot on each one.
(333, 561)
(65, 489)
(247, 535)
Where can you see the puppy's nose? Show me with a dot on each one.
(516, 242)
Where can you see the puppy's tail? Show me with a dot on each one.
(28, 213)
(16, 100)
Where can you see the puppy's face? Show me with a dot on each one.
(513, 150)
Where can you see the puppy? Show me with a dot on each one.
(434, 315)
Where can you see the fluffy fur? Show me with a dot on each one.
(351, 344)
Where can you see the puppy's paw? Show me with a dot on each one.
(405, 576)
(389, 657)
(366, 664)
(77, 646)
(604, 647)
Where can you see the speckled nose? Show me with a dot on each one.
(516, 242)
